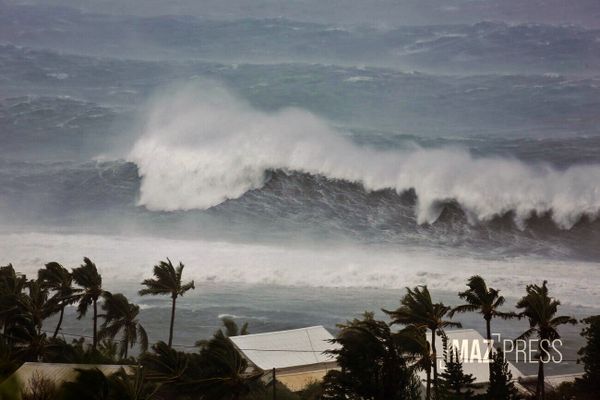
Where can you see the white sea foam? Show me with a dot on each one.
(359, 79)
(128, 260)
(201, 146)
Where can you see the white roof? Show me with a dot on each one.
(285, 349)
(556, 380)
(475, 362)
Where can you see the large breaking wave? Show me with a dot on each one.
(201, 146)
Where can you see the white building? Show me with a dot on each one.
(296, 355)
(527, 384)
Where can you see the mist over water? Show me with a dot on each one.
(201, 147)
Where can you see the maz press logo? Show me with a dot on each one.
(517, 351)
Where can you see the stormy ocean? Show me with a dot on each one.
(304, 169)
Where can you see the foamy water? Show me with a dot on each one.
(201, 146)
(129, 259)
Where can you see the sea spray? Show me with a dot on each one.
(202, 145)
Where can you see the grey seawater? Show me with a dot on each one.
(271, 308)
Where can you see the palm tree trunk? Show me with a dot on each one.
(541, 387)
(95, 337)
(60, 319)
(172, 320)
(488, 329)
(434, 356)
(538, 390)
(428, 387)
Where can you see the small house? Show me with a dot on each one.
(297, 356)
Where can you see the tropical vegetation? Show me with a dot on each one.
(377, 359)
(167, 281)
(540, 310)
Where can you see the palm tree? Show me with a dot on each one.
(122, 316)
(164, 365)
(415, 345)
(225, 372)
(374, 362)
(540, 309)
(168, 369)
(126, 386)
(12, 285)
(417, 309)
(486, 300)
(35, 306)
(89, 279)
(167, 280)
(58, 279)
(230, 328)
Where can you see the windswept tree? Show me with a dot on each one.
(35, 306)
(58, 279)
(126, 386)
(225, 372)
(540, 310)
(590, 356)
(90, 280)
(165, 366)
(373, 363)
(417, 349)
(122, 316)
(418, 309)
(485, 300)
(167, 281)
(502, 386)
(29, 341)
(12, 285)
(230, 328)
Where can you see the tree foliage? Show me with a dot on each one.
(590, 357)
(167, 281)
(501, 385)
(418, 310)
(372, 364)
(540, 310)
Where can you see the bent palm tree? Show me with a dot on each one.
(486, 300)
(58, 279)
(230, 328)
(540, 309)
(35, 306)
(414, 344)
(89, 279)
(167, 281)
(417, 309)
(225, 372)
(12, 285)
(168, 369)
(122, 316)
(134, 386)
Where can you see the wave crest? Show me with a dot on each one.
(201, 146)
